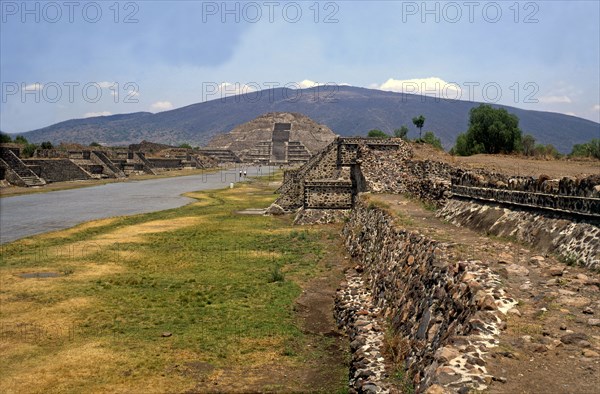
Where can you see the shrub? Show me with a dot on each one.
(377, 134)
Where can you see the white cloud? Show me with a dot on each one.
(34, 86)
(94, 114)
(307, 83)
(432, 86)
(596, 108)
(571, 113)
(161, 106)
(555, 99)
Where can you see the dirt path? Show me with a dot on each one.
(551, 343)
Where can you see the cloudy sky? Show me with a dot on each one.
(62, 60)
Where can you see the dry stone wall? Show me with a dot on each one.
(442, 314)
(575, 239)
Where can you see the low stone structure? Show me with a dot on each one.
(72, 163)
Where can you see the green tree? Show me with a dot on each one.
(186, 146)
(377, 134)
(419, 121)
(528, 145)
(402, 132)
(490, 131)
(590, 149)
(5, 138)
(95, 144)
(21, 140)
(431, 139)
(46, 145)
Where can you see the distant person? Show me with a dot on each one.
(240, 174)
(245, 174)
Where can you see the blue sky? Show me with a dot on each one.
(62, 60)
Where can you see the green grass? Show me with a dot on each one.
(224, 287)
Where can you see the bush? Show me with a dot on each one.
(186, 146)
(377, 134)
(528, 145)
(28, 150)
(402, 132)
(546, 151)
(95, 144)
(431, 139)
(46, 145)
(5, 138)
(21, 140)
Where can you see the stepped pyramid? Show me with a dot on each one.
(275, 138)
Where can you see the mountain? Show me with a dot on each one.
(347, 110)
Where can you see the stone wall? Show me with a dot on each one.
(556, 202)
(575, 239)
(432, 306)
(328, 194)
(165, 163)
(56, 170)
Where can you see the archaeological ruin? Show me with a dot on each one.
(443, 314)
(83, 163)
(277, 138)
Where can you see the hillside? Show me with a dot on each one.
(348, 111)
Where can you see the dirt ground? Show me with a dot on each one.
(549, 345)
(512, 165)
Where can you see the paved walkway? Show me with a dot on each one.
(22, 216)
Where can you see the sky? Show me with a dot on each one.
(61, 60)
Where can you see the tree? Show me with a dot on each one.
(528, 145)
(419, 121)
(5, 138)
(431, 139)
(590, 149)
(21, 140)
(377, 134)
(402, 132)
(46, 145)
(95, 144)
(186, 146)
(490, 131)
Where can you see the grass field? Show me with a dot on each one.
(193, 299)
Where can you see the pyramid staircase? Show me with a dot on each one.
(24, 175)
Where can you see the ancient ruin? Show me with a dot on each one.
(444, 314)
(277, 138)
(83, 163)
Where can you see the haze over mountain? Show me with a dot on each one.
(347, 110)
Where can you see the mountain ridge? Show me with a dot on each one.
(347, 110)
